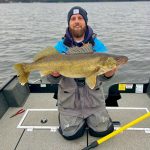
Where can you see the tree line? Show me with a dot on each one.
(30, 1)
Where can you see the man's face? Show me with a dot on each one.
(77, 25)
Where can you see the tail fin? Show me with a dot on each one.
(23, 76)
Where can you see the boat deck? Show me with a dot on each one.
(31, 134)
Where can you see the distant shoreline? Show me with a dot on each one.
(65, 1)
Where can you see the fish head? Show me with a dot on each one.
(109, 62)
(106, 64)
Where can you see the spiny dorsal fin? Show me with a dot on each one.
(86, 48)
(46, 52)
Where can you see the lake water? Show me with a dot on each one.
(124, 27)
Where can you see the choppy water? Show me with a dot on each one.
(124, 27)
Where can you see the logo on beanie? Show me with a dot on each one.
(76, 11)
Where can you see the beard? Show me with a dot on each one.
(77, 32)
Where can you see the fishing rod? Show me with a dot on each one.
(116, 132)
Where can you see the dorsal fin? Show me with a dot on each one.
(46, 52)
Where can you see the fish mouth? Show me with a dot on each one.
(122, 60)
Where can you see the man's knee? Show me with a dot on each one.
(100, 124)
(101, 133)
(71, 127)
(76, 135)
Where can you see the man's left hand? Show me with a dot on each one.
(110, 73)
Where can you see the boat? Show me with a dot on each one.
(35, 126)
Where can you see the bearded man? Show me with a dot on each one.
(78, 105)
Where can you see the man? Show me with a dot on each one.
(78, 105)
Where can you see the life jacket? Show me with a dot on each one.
(89, 38)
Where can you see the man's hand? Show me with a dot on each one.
(110, 73)
(56, 74)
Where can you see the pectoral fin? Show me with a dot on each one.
(45, 73)
(91, 81)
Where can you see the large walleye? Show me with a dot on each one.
(80, 63)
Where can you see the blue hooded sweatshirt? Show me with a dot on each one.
(90, 37)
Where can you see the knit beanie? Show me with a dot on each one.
(77, 10)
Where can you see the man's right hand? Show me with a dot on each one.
(56, 74)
